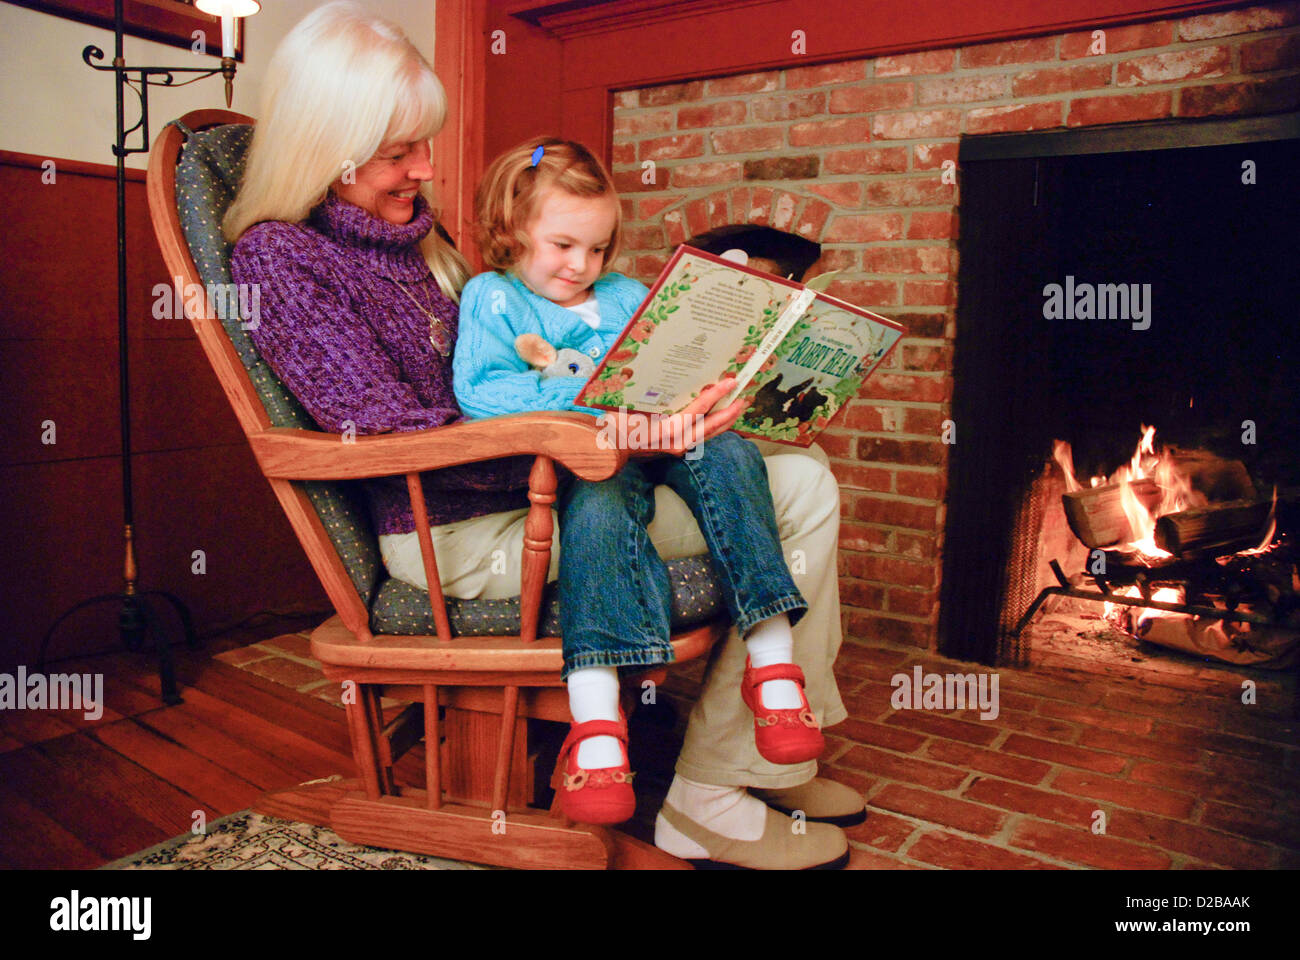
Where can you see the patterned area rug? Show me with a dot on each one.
(251, 841)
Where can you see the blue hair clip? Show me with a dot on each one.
(537, 155)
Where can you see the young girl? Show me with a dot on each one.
(550, 225)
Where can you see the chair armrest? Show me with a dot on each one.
(570, 438)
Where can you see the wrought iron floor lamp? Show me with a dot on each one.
(136, 620)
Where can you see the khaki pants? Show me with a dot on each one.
(480, 558)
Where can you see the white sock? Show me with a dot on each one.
(593, 695)
(771, 642)
(729, 811)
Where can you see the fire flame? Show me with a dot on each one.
(1266, 544)
(1175, 494)
(1140, 615)
(1063, 454)
(1146, 463)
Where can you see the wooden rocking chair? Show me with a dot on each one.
(469, 691)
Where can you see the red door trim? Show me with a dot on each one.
(458, 149)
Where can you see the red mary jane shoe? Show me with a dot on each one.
(603, 795)
(782, 736)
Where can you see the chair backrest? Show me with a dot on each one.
(194, 171)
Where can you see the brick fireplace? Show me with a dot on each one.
(862, 156)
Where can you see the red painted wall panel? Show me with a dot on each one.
(522, 85)
(196, 484)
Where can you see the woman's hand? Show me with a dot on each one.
(674, 434)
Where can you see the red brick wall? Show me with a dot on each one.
(852, 155)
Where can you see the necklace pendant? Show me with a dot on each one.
(439, 335)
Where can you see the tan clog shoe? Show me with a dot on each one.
(786, 844)
(821, 800)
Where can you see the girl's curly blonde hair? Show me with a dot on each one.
(512, 190)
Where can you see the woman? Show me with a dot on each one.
(334, 220)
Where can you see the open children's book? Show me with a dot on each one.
(800, 354)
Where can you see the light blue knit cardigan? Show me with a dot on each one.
(491, 379)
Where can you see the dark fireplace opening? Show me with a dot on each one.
(1110, 280)
(1218, 351)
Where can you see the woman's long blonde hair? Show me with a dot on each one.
(340, 84)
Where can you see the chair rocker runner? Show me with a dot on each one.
(471, 673)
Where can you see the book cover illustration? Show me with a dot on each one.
(714, 314)
(818, 367)
(800, 354)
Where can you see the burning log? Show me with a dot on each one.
(1096, 514)
(1214, 530)
(1217, 480)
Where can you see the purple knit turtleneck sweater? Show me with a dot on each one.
(343, 337)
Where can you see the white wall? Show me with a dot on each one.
(53, 105)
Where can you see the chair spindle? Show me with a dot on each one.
(432, 748)
(505, 747)
(536, 559)
(421, 514)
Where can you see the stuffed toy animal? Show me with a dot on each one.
(540, 355)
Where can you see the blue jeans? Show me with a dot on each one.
(615, 595)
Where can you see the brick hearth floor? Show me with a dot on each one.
(1077, 770)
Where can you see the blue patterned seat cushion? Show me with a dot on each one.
(403, 609)
(207, 177)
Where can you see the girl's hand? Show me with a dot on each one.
(677, 433)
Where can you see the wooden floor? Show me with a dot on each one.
(76, 793)
(1187, 776)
